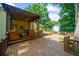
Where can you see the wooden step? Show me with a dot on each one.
(23, 39)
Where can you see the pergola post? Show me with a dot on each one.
(28, 28)
(38, 26)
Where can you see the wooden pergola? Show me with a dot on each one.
(17, 14)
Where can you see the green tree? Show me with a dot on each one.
(67, 17)
(40, 8)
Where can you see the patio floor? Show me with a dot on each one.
(45, 46)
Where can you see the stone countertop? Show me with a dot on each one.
(2, 38)
(0, 41)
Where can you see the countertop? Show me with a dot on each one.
(2, 38)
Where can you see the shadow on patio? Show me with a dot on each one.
(45, 46)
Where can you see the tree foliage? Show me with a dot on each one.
(67, 17)
(40, 8)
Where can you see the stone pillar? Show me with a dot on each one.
(76, 35)
(77, 22)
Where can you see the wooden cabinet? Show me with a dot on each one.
(31, 33)
(14, 35)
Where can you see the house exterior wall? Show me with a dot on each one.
(2, 22)
(20, 24)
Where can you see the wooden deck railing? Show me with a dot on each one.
(71, 46)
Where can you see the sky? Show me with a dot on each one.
(22, 5)
(53, 11)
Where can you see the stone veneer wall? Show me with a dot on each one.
(76, 35)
